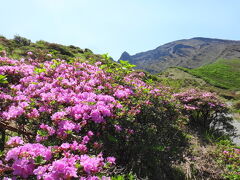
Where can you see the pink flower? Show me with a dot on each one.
(33, 114)
(16, 140)
(40, 171)
(225, 152)
(111, 160)
(118, 128)
(49, 129)
(58, 116)
(90, 133)
(13, 112)
(189, 107)
(123, 93)
(85, 140)
(96, 116)
(91, 164)
(64, 168)
(23, 158)
(23, 168)
(119, 106)
(130, 131)
(65, 146)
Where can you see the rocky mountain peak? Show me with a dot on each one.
(190, 53)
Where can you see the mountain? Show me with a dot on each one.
(189, 53)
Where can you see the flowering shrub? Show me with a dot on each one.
(56, 101)
(88, 119)
(203, 108)
(77, 118)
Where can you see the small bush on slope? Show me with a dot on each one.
(204, 109)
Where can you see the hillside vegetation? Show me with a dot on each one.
(19, 46)
(222, 73)
(91, 118)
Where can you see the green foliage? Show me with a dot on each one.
(214, 137)
(42, 133)
(39, 160)
(3, 79)
(39, 70)
(19, 46)
(154, 142)
(21, 41)
(126, 64)
(129, 176)
(120, 69)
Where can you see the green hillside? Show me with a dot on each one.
(223, 73)
(18, 47)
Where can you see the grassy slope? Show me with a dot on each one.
(223, 73)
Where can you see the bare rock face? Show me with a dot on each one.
(190, 53)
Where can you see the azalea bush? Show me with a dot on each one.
(51, 103)
(203, 109)
(84, 119)
(93, 119)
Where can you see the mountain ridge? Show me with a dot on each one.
(189, 53)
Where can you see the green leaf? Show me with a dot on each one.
(1, 153)
(112, 138)
(39, 70)
(39, 160)
(119, 177)
(103, 66)
(77, 165)
(68, 132)
(149, 81)
(158, 148)
(126, 64)
(3, 79)
(42, 133)
(106, 56)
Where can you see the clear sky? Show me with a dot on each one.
(115, 26)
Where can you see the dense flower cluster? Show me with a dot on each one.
(23, 157)
(15, 141)
(60, 101)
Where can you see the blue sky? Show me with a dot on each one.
(115, 26)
